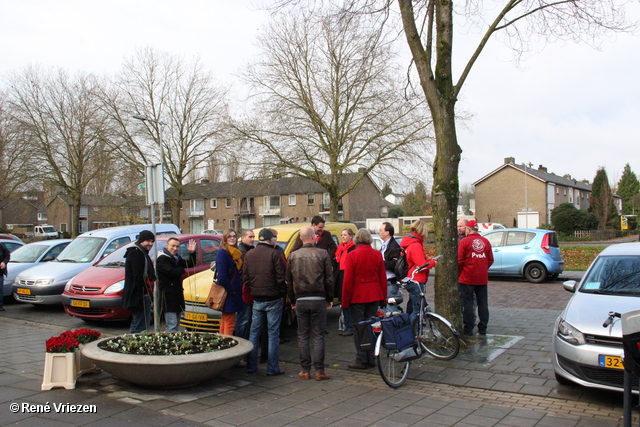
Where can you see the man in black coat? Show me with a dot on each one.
(5, 256)
(170, 268)
(139, 276)
(390, 252)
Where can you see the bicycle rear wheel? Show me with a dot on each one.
(437, 338)
(392, 372)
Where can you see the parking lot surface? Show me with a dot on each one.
(504, 380)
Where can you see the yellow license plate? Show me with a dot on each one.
(24, 291)
(613, 362)
(83, 304)
(198, 317)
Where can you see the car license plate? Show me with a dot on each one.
(24, 291)
(610, 362)
(199, 317)
(83, 304)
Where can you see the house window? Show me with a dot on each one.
(63, 227)
(292, 199)
(84, 211)
(272, 202)
(232, 224)
(228, 205)
(564, 191)
(197, 205)
(42, 216)
(214, 203)
(311, 199)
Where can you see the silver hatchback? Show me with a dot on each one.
(584, 351)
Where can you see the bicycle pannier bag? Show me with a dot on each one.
(397, 333)
(365, 334)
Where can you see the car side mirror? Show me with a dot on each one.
(570, 286)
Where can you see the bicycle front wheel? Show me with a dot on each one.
(436, 337)
(392, 372)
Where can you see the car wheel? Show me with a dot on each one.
(535, 272)
(562, 380)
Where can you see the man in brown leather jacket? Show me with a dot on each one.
(310, 287)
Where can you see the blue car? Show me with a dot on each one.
(534, 254)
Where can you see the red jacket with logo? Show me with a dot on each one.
(474, 259)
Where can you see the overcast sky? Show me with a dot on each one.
(569, 108)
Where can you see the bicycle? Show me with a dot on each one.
(433, 334)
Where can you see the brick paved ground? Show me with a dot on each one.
(505, 383)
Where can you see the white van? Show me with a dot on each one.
(45, 232)
(44, 284)
(483, 227)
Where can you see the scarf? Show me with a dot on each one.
(236, 255)
(343, 249)
(175, 257)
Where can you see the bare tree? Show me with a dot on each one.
(329, 102)
(60, 118)
(428, 26)
(183, 112)
(17, 169)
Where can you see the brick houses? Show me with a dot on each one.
(256, 203)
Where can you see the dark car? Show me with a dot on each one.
(96, 293)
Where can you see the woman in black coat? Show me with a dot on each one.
(170, 268)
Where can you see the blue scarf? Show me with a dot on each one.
(176, 258)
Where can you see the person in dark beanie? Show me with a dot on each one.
(139, 276)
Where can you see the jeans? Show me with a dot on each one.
(171, 318)
(311, 325)
(414, 299)
(346, 317)
(141, 317)
(272, 312)
(467, 293)
(360, 312)
(393, 288)
(243, 318)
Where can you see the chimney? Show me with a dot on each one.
(509, 160)
(542, 168)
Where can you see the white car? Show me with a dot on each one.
(31, 255)
(583, 350)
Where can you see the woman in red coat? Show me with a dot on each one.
(364, 289)
(413, 245)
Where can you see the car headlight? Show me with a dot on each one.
(116, 287)
(67, 287)
(43, 282)
(570, 334)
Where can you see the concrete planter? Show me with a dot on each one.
(166, 371)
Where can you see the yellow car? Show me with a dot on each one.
(198, 316)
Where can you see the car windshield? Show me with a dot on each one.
(615, 275)
(82, 249)
(116, 258)
(28, 253)
(48, 229)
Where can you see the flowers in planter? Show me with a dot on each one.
(62, 344)
(69, 341)
(167, 343)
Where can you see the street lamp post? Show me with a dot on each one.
(154, 248)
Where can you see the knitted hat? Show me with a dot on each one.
(146, 235)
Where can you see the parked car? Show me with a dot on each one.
(31, 255)
(45, 232)
(9, 236)
(11, 244)
(583, 350)
(198, 316)
(44, 284)
(534, 254)
(213, 231)
(96, 293)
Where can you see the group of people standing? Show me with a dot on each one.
(258, 279)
